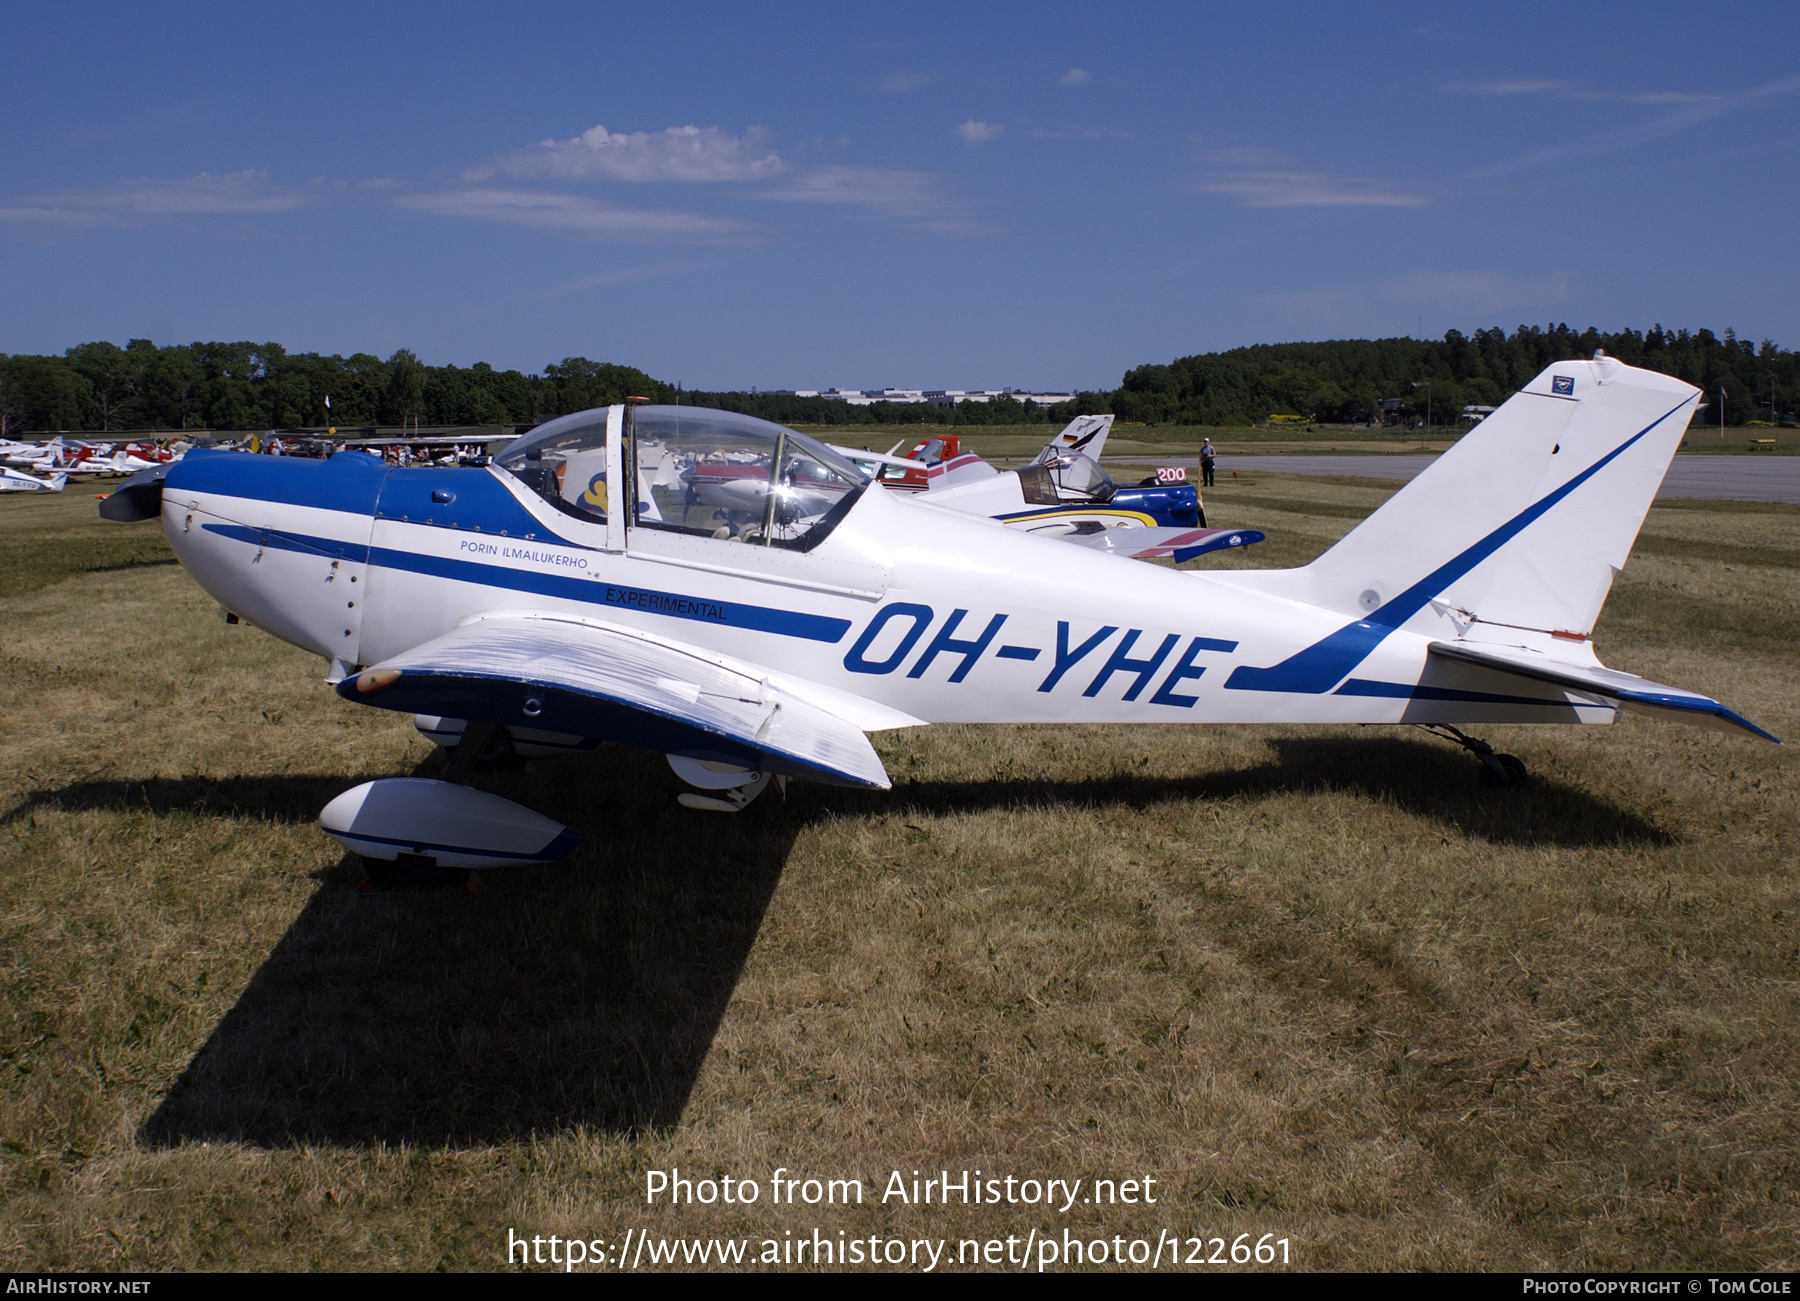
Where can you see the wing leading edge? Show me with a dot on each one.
(1627, 690)
(592, 679)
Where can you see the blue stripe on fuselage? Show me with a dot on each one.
(673, 605)
(591, 591)
(1324, 664)
(260, 537)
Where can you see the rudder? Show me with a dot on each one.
(1524, 521)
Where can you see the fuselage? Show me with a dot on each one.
(946, 616)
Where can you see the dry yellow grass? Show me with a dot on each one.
(1312, 980)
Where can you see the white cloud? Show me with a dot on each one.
(1292, 189)
(871, 187)
(1684, 109)
(549, 210)
(680, 153)
(136, 202)
(1075, 77)
(1571, 90)
(974, 133)
(919, 199)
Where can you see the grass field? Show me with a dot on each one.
(1312, 980)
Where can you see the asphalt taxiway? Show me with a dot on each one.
(1711, 478)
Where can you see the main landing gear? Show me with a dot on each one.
(1498, 771)
(415, 833)
(729, 789)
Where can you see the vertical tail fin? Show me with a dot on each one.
(1086, 434)
(1525, 521)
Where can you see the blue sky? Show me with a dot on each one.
(941, 195)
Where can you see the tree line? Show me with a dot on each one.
(96, 387)
(1345, 381)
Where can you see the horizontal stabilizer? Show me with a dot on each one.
(1158, 541)
(1627, 690)
(590, 679)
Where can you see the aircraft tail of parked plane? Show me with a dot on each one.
(1082, 434)
(17, 481)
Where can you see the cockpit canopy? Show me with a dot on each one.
(1069, 476)
(693, 470)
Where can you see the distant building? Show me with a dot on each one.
(938, 397)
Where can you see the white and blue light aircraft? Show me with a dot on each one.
(523, 600)
(15, 481)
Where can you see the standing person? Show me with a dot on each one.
(1207, 454)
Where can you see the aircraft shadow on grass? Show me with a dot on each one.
(590, 993)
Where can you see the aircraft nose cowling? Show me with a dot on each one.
(281, 542)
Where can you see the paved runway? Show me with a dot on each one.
(1713, 478)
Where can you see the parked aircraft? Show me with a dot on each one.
(940, 462)
(1063, 493)
(56, 456)
(15, 481)
(493, 596)
(35, 454)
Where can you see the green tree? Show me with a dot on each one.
(405, 395)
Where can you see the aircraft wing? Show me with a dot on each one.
(1627, 690)
(588, 678)
(1157, 541)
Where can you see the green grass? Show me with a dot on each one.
(47, 538)
(1312, 979)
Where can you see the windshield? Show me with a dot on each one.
(1074, 477)
(693, 470)
(736, 478)
(1080, 475)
